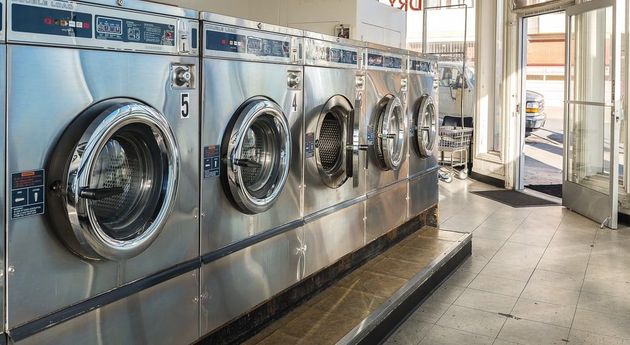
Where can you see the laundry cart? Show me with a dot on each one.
(453, 148)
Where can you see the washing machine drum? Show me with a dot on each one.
(388, 133)
(425, 127)
(332, 141)
(257, 151)
(114, 179)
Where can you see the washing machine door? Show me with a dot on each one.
(119, 182)
(333, 141)
(425, 127)
(389, 133)
(257, 151)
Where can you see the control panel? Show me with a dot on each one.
(77, 24)
(231, 42)
(390, 62)
(322, 53)
(422, 66)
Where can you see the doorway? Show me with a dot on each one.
(543, 100)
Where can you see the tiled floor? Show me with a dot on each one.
(537, 276)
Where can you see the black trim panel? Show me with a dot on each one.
(493, 181)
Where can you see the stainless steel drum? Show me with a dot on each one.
(425, 127)
(332, 141)
(389, 133)
(120, 181)
(257, 147)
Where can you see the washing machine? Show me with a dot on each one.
(423, 124)
(251, 139)
(386, 139)
(103, 173)
(3, 84)
(334, 159)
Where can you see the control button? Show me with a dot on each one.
(182, 76)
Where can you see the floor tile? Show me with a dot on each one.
(486, 301)
(446, 294)
(500, 285)
(618, 305)
(504, 342)
(553, 314)
(557, 279)
(431, 311)
(602, 323)
(607, 287)
(508, 271)
(410, 333)
(440, 335)
(461, 277)
(377, 284)
(577, 337)
(545, 292)
(472, 320)
(533, 333)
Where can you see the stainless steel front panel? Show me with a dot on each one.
(419, 85)
(3, 85)
(235, 284)
(329, 238)
(320, 84)
(386, 210)
(44, 275)
(227, 85)
(163, 314)
(379, 84)
(423, 192)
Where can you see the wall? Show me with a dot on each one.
(369, 20)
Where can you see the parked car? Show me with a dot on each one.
(455, 89)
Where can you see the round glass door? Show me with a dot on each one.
(425, 124)
(258, 151)
(331, 140)
(389, 133)
(120, 183)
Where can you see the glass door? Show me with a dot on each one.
(591, 181)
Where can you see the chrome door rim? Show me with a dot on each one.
(94, 241)
(339, 108)
(425, 149)
(390, 142)
(246, 201)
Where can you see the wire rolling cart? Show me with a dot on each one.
(453, 147)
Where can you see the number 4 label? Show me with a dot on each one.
(185, 105)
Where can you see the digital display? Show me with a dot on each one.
(131, 30)
(235, 43)
(420, 66)
(109, 26)
(336, 55)
(377, 60)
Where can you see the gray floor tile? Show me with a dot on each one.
(461, 277)
(472, 320)
(410, 333)
(515, 272)
(557, 280)
(545, 292)
(607, 287)
(618, 305)
(553, 314)
(431, 311)
(602, 323)
(486, 301)
(504, 342)
(577, 337)
(440, 335)
(500, 285)
(533, 333)
(446, 294)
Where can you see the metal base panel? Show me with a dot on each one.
(386, 210)
(163, 314)
(235, 284)
(423, 192)
(331, 237)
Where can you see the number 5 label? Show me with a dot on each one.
(185, 105)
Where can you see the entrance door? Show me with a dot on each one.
(591, 180)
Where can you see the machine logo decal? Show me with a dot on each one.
(41, 20)
(309, 145)
(27, 193)
(211, 161)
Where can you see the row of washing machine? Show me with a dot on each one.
(168, 171)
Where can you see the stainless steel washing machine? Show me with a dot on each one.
(252, 174)
(423, 124)
(103, 173)
(3, 85)
(386, 139)
(334, 165)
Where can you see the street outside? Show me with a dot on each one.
(543, 149)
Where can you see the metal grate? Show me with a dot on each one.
(118, 166)
(253, 150)
(330, 142)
